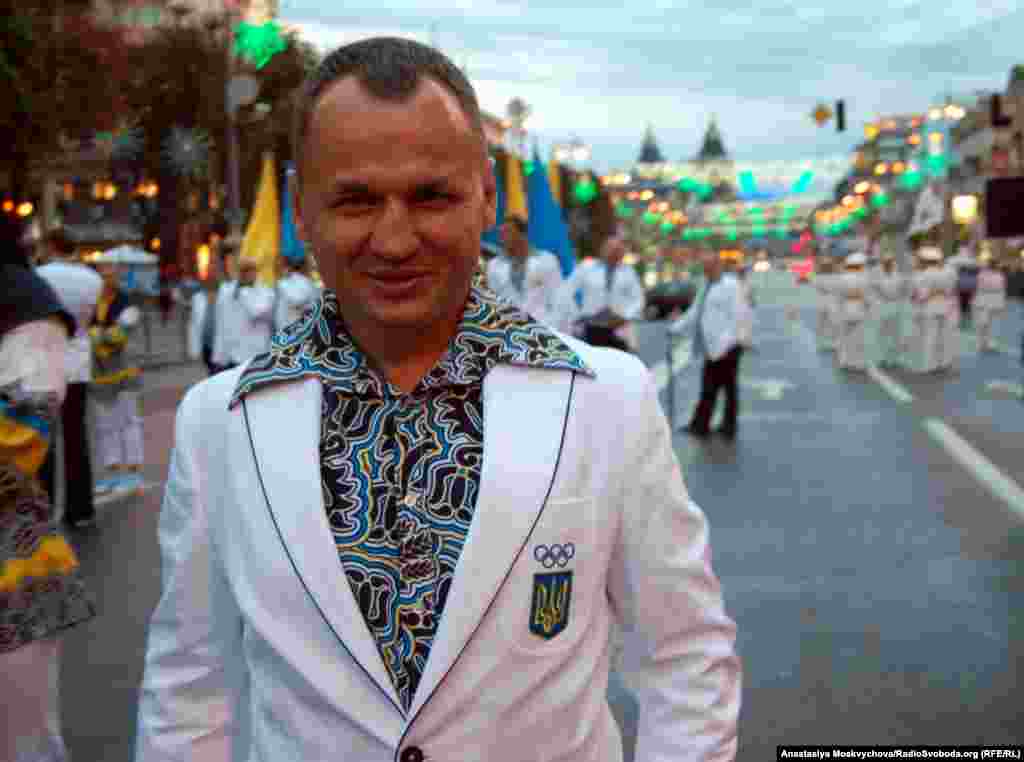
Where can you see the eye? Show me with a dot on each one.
(353, 202)
(433, 196)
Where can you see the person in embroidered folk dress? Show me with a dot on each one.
(851, 289)
(116, 386)
(409, 527)
(989, 302)
(527, 278)
(888, 303)
(41, 592)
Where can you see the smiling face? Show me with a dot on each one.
(393, 199)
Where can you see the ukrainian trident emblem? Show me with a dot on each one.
(552, 596)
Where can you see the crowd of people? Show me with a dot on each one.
(883, 318)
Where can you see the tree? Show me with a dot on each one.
(51, 55)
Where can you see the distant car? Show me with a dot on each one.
(665, 298)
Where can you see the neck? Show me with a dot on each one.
(404, 356)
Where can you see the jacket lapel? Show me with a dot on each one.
(284, 427)
(525, 412)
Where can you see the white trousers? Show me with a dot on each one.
(940, 341)
(30, 710)
(983, 320)
(118, 429)
(851, 353)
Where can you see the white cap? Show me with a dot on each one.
(930, 254)
(856, 260)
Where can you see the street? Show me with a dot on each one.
(868, 532)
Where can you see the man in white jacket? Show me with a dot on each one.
(295, 293)
(612, 298)
(245, 317)
(406, 532)
(526, 277)
(717, 318)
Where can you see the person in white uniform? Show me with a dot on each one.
(851, 290)
(612, 298)
(525, 277)
(78, 287)
(936, 299)
(824, 286)
(405, 532)
(295, 293)
(989, 303)
(888, 304)
(245, 317)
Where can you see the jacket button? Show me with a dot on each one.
(411, 754)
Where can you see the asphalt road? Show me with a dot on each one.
(868, 531)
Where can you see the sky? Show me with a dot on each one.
(603, 70)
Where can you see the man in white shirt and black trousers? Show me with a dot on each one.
(716, 318)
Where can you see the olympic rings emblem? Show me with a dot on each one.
(554, 555)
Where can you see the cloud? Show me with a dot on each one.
(603, 71)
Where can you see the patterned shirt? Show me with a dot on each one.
(401, 472)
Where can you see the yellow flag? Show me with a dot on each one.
(555, 181)
(516, 189)
(262, 240)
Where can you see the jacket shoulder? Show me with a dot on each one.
(615, 373)
(207, 401)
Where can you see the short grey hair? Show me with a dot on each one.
(389, 68)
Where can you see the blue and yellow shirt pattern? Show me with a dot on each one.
(401, 472)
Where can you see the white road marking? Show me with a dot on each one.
(1009, 387)
(984, 471)
(892, 387)
(767, 388)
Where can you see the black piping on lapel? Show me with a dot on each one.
(554, 475)
(291, 560)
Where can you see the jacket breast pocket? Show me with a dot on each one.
(548, 599)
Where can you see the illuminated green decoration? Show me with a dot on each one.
(651, 218)
(258, 43)
(687, 185)
(861, 213)
(529, 167)
(624, 210)
(667, 226)
(937, 165)
(704, 191)
(803, 183)
(732, 235)
(759, 230)
(912, 180)
(585, 190)
(879, 200)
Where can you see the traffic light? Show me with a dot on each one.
(840, 116)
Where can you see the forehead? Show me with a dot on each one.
(352, 131)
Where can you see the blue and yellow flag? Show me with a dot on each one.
(262, 240)
(547, 230)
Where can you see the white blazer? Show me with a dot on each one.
(258, 649)
(244, 324)
(627, 297)
(726, 316)
(540, 288)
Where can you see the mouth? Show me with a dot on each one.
(397, 283)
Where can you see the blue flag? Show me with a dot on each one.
(547, 230)
(292, 249)
(491, 239)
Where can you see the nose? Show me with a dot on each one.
(394, 235)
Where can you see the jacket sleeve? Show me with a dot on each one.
(258, 302)
(685, 671)
(186, 701)
(200, 304)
